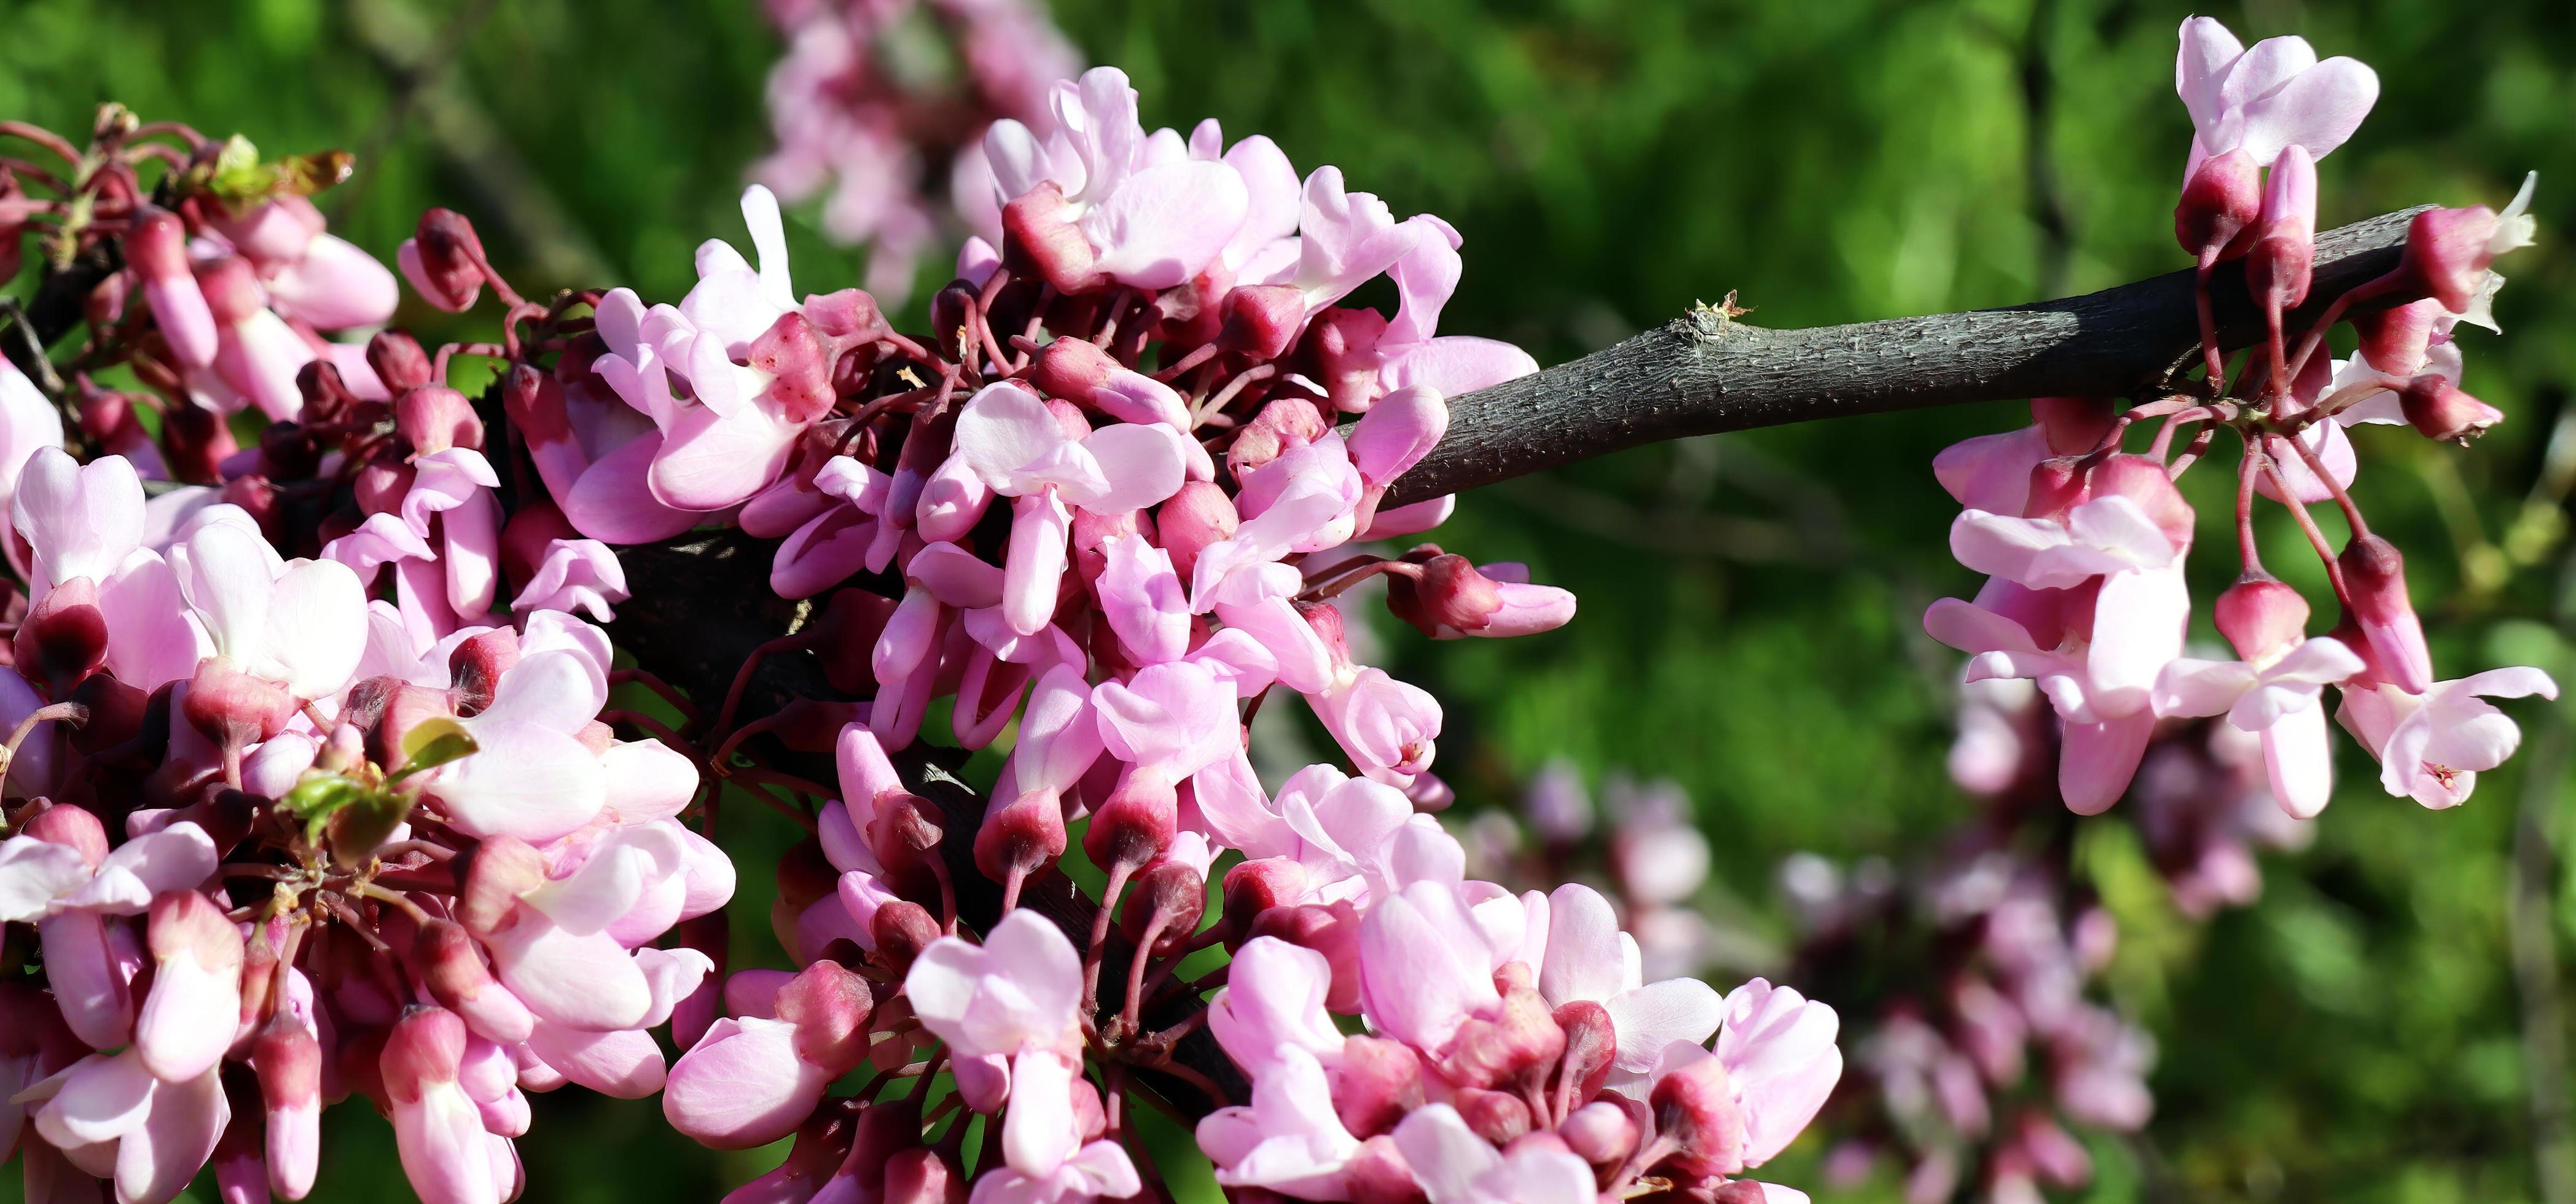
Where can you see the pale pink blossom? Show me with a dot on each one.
(2431, 745)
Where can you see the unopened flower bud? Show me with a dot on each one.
(105, 304)
(1344, 344)
(435, 418)
(1198, 515)
(2374, 576)
(187, 1020)
(1696, 1105)
(1282, 425)
(450, 963)
(424, 1051)
(64, 639)
(1446, 592)
(1262, 319)
(1601, 1133)
(1021, 836)
(1071, 368)
(902, 929)
(71, 827)
(1135, 824)
(2261, 617)
(1378, 1082)
(476, 666)
(1591, 1043)
(1172, 893)
(1496, 1116)
(233, 708)
(1492, 1052)
(2439, 410)
(2395, 339)
(157, 247)
(2447, 254)
(2223, 196)
(829, 1007)
(2277, 266)
(443, 260)
(232, 290)
(278, 230)
(2073, 425)
(1038, 237)
(1253, 887)
(288, 1060)
(501, 869)
(399, 361)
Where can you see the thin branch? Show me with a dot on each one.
(1704, 372)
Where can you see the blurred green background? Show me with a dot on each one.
(1750, 603)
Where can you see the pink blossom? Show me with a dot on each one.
(2263, 100)
(1289, 1140)
(1455, 1166)
(2431, 745)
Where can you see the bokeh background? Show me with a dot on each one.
(2386, 1024)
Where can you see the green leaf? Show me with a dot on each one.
(431, 744)
(241, 181)
(361, 827)
(319, 797)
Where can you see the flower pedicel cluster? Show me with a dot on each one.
(2084, 540)
(389, 836)
(271, 841)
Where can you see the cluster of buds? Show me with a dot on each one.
(283, 826)
(2083, 539)
(215, 287)
(881, 107)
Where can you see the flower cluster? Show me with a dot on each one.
(2084, 540)
(280, 831)
(1112, 496)
(1105, 511)
(878, 104)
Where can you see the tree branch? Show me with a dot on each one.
(1704, 372)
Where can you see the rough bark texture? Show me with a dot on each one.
(1703, 372)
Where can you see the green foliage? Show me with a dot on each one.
(1749, 604)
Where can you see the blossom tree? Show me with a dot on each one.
(325, 779)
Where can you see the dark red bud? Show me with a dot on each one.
(1262, 319)
(2223, 196)
(2439, 410)
(444, 262)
